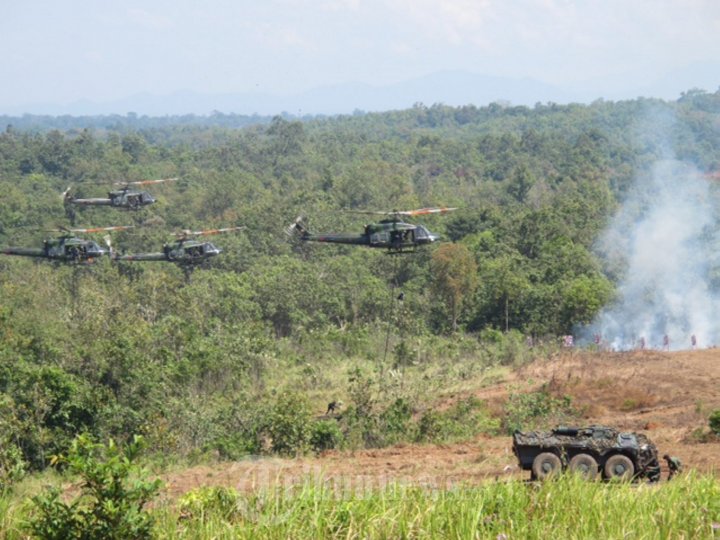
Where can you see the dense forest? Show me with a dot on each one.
(214, 359)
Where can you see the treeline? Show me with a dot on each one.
(121, 349)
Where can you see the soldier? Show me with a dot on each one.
(674, 465)
(333, 407)
(653, 472)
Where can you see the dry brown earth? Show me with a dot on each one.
(666, 395)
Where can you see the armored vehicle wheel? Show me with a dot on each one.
(619, 467)
(546, 465)
(584, 465)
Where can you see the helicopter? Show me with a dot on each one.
(184, 250)
(68, 248)
(390, 233)
(125, 197)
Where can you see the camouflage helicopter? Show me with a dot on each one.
(125, 197)
(184, 250)
(68, 248)
(391, 233)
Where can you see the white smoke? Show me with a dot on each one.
(664, 244)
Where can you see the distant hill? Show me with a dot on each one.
(448, 87)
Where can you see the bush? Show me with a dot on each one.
(290, 424)
(12, 465)
(528, 410)
(210, 502)
(112, 500)
(325, 435)
(464, 420)
(714, 421)
(396, 422)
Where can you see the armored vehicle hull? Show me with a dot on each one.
(590, 451)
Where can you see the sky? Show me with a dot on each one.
(62, 51)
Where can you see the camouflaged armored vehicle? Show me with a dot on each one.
(588, 451)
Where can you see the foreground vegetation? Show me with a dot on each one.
(568, 508)
(687, 507)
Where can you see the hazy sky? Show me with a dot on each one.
(66, 50)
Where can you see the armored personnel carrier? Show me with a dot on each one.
(588, 451)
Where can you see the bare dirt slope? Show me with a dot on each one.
(666, 395)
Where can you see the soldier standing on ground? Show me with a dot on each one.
(666, 342)
(674, 465)
(333, 407)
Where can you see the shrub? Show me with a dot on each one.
(12, 465)
(289, 424)
(210, 502)
(396, 422)
(325, 435)
(465, 419)
(112, 500)
(714, 421)
(527, 410)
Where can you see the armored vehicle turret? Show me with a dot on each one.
(588, 451)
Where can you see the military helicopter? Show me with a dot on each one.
(125, 197)
(184, 250)
(390, 233)
(68, 248)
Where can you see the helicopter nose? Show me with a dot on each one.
(212, 250)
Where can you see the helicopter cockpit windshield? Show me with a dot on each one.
(93, 249)
(211, 250)
(421, 234)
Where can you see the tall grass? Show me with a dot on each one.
(569, 508)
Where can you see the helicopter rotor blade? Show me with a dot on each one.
(101, 229)
(60, 228)
(371, 212)
(147, 182)
(186, 233)
(418, 212)
(425, 211)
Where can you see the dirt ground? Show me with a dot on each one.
(666, 395)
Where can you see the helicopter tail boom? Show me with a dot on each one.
(24, 252)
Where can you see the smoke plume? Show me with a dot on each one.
(663, 246)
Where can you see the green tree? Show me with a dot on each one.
(454, 273)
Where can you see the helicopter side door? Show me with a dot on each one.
(381, 238)
(195, 252)
(408, 237)
(132, 200)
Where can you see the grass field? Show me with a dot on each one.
(687, 507)
(569, 508)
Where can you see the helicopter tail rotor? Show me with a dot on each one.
(108, 243)
(297, 228)
(66, 196)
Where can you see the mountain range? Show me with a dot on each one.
(453, 88)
